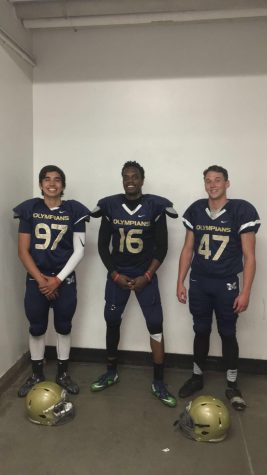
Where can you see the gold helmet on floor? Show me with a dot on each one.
(205, 419)
(47, 404)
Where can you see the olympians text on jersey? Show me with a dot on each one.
(217, 244)
(133, 229)
(51, 230)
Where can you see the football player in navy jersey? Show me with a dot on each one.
(136, 225)
(219, 244)
(51, 244)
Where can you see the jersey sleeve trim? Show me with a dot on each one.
(250, 224)
(187, 224)
(171, 212)
(83, 218)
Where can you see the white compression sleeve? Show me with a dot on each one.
(75, 258)
(63, 346)
(37, 347)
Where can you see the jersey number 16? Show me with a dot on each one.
(134, 245)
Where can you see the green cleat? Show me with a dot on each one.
(160, 391)
(106, 380)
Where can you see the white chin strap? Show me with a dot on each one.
(157, 337)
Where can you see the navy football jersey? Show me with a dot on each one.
(217, 246)
(51, 230)
(133, 229)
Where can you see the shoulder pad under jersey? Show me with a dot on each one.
(246, 215)
(104, 206)
(162, 205)
(97, 212)
(24, 210)
(78, 211)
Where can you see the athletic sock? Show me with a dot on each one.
(158, 371)
(112, 365)
(62, 367)
(37, 367)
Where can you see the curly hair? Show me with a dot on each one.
(134, 165)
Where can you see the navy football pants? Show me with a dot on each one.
(207, 295)
(148, 298)
(37, 306)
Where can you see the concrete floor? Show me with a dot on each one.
(125, 430)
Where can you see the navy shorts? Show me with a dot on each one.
(207, 295)
(37, 306)
(148, 298)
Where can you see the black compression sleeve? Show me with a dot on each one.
(161, 238)
(104, 238)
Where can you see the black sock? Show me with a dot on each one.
(197, 376)
(112, 365)
(37, 367)
(158, 371)
(231, 384)
(201, 349)
(62, 367)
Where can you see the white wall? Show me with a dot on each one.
(176, 98)
(13, 27)
(16, 160)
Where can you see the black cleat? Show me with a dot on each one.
(195, 383)
(66, 382)
(29, 383)
(236, 399)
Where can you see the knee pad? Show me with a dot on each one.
(154, 328)
(37, 329)
(227, 332)
(202, 326)
(228, 338)
(63, 328)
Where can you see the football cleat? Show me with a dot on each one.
(236, 399)
(195, 383)
(106, 380)
(29, 383)
(66, 382)
(160, 391)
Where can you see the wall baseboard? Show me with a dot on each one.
(137, 358)
(142, 358)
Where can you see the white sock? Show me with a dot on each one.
(197, 370)
(231, 375)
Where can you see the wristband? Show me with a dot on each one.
(117, 276)
(148, 276)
